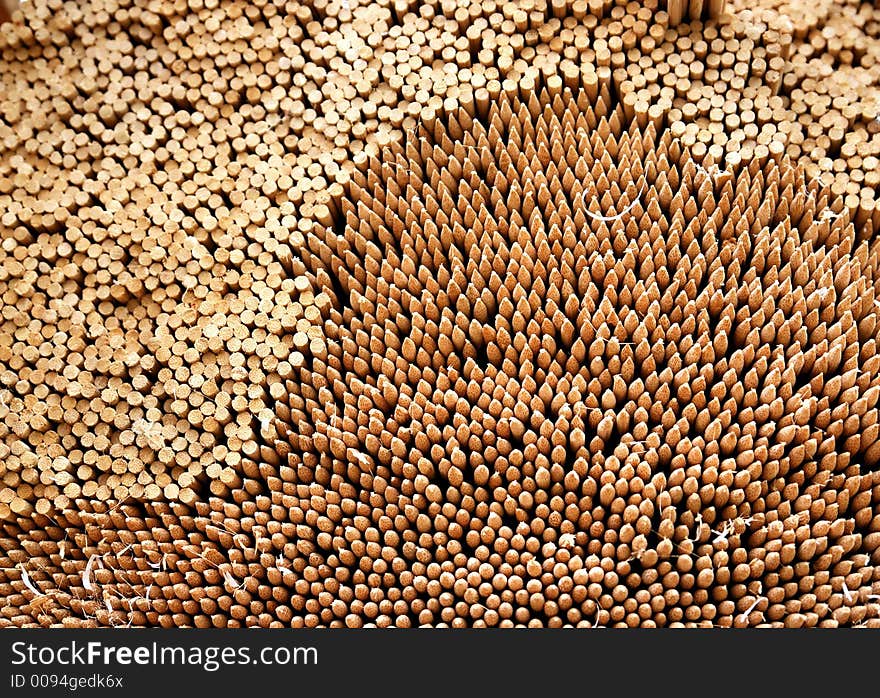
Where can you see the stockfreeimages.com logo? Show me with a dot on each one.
(208, 658)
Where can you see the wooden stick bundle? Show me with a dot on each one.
(183, 339)
(571, 380)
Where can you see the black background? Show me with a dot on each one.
(601, 663)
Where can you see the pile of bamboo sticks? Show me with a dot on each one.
(180, 316)
(577, 376)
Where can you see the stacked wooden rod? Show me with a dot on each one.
(7, 7)
(163, 166)
(680, 10)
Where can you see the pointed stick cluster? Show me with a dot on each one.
(575, 376)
